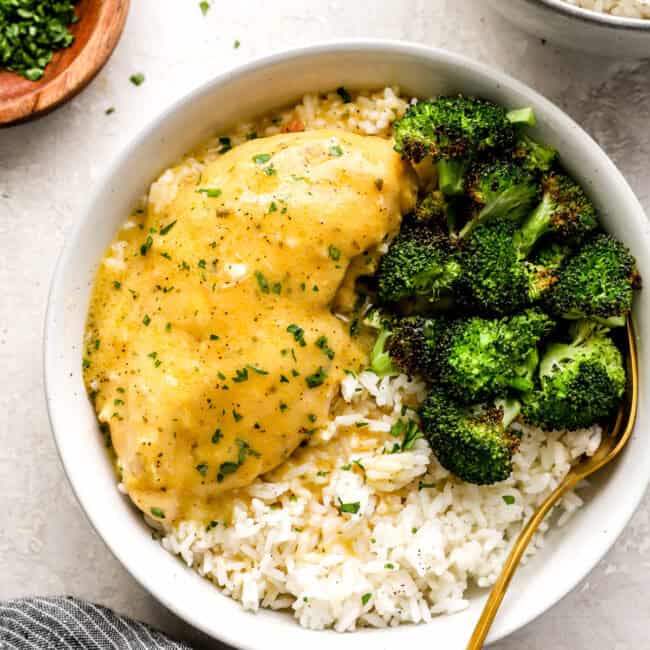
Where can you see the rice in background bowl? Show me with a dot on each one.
(238, 96)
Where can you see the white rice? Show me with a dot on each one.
(412, 538)
(622, 8)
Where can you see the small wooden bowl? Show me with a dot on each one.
(96, 34)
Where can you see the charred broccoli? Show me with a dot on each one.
(474, 443)
(580, 382)
(495, 278)
(420, 261)
(413, 343)
(564, 211)
(500, 190)
(478, 359)
(597, 283)
(533, 156)
(453, 131)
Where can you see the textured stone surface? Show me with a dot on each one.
(48, 167)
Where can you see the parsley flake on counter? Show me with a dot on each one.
(137, 79)
(204, 6)
(236, 44)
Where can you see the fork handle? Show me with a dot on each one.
(501, 585)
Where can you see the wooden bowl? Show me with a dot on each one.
(96, 34)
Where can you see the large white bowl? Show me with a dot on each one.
(579, 29)
(254, 88)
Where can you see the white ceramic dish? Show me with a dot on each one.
(577, 28)
(257, 87)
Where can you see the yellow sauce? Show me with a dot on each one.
(204, 346)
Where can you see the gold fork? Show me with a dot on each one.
(609, 448)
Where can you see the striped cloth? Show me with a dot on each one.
(69, 623)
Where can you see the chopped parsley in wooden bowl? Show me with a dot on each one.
(51, 49)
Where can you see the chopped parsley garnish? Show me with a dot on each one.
(226, 468)
(146, 320)
(31, 31)
(365, 598)
(316, 378)
(214, 337)
(334, 253)
(168, 327)
(259, 371)
(298, 334)
(240, 375)
(508, 499)
(261, 158)
(344, 95)
(379, 183)
(347, 467)
(422, 485)
(236, 44)
(211, 192)
(389, 565)
(262, 282)
(350, 508)
(204, 6)
(321, 342)
(312, 417)
(283, 379)
(226, 144)
(202, 468)
(168, 227)
(273, 207)
(283, 406)
(201, 264)
(117, 284)
(144, 249)
(237, 416)
(216, 436)
(137, 79)
(211, 525)
(410, 432)
(276, 288)
(270, 170)
(336, 151)
(157, 512)
(110, 110)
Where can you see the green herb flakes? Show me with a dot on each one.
(365, 598)
(211, 192)
(236, 44)
(146, 320)
(298, 334)
(216, 436)
(261, 158)
(168, 227)
(137, 79)
(214, 337)
(31, 31)
(262, 282)
(344, 95)
(508, 499)
(157, 512)
(144, 249)
(117, 284)
(336, 151)
(110, 110)
(334, 253)
(204, 6)
(316, 378)
(202, 468)
(350, 508)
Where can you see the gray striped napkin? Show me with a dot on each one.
(69, 623)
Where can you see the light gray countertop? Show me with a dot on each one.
(48, 167)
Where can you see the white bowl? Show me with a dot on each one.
(257, 87)
(577, 28)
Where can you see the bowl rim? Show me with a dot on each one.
(333, 46)
(595, 17)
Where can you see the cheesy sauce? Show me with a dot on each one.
(212, 349)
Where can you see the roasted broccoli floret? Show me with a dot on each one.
(551, 256)
(580, 382)
(500, 190)
(597, 283)
(474, 443)
(495, 278)
(453, 130)
(565, 210)
(420, 261)
(478, 358)
(532, 155)
(413, 343)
